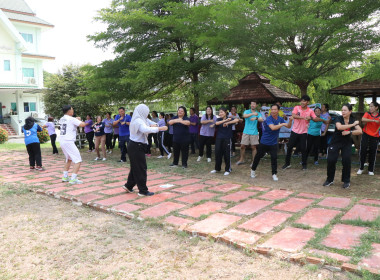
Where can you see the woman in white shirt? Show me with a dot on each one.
(139, 129)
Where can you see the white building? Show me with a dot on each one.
(21, 63)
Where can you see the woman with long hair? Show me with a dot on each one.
(100, 138)
(207, 133)
(108, 130)
(341, 141)
(53, 136)
(89, 133)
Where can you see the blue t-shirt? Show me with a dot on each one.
(250, 127)
(270, 136)
(31, 134)
(224, 132)
(123, 128)
(181, 133)
(315, 128)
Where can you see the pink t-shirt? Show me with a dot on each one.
(300, 126)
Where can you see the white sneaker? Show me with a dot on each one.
(213, 171)
(75, 182)
(360, 172)
(366, 164)
(107, 151)
(97, 158)
(199, 158)
(110, 152)
(160, 156)
(253, 174)
(104, 159)
(275, 178)
(208, 159)
(169, 155)
(371, 173)
(226, 173)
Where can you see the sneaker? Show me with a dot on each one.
(240, 162)
(371, 173)
(104, 159)
(213, 171)
(39, 168)
(304, 167)
(160, 156)
(169, 155)
(97, 158)
(32, 168)
(346, 185)
(253, 174)
(226, 173)
(110, 152)
(275, 178)
(127, 189)
(285, 166)
(75, 182)
(107, 151)
(199, 158)
(184, 166)
(173, 165)
(145, 194)
(366, 164)
(89, 151)
(360, 172)
(65, 179)
(208, 159)
(233, 154)
(327, 183)
(121, 160)
(316, 163)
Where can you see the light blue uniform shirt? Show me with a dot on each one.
(315, 128)
(251, 126)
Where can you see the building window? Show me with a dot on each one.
(28, 72)
(7, 65)
(30, 107)
(14, 106)
(27, 37)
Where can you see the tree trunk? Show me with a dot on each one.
(303, 87)
(196, 93)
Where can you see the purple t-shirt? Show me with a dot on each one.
(194, 128)
(50, 127)
(161, 122)
(108, 125)
(206, 130)
(88, 128)
(325, 116)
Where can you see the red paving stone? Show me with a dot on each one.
(156, 182)
(363, 212)
(344, 236)
(126, 207)
(310, 195)
(237, 196)
(175, 178)
(334, 256)
(318, 217)
(113, 191)
(94, 174)
(289, 239)
(156, 176)
(276, 194)
(84, 190)
(196, 197)
(213, 224)
(63, 184)
(370, 201)
(91, 179)
(117, 199)
(249, 207)
(212, 182)
(89, 197)
(373, 261)
(161, 209)
(294, 204)
(40, 179)
(150, 200)
(265, 221)
(259, 189)
(96, 183)
(225, 187)
(186, 182)
(203, 209)
(177, 221)
(240, 237)
(60, 189)
(191, 188)
(115, 184)
(336, 202)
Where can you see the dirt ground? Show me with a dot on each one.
(44, 238)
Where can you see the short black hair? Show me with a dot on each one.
(109, 113)
(89, 116)
(327, 106)
(349, 106)
(223, 109)
(162, 114)
(305, 97)
(155, 113)
(171, 115)
(66, 108)
(375, 104)
(184, 109)
(278, 106)
(121, 108)
(317, 108)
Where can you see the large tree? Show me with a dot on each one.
(159, 51)
(297, 41)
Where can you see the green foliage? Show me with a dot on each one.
(3, 135)
(371, 67)
(43, 136)
(67, 87)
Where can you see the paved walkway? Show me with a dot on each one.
(304, 227)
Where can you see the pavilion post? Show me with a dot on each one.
(361, 104)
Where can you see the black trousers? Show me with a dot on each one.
(161, 143)
(261, 150)
(194, 142)
(205, 140)
(169, 138)
(295, 139)
(109, 141)
(180, 148)
(53, 137)
(137, 174)
(115, 136)
(313, 145)
(34, 151)
(368, 144)
(90, 140)
(332, 158)
(223, 150)
(233, 141)
(323, 145)
(123, 142)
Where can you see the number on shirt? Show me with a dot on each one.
(63, 129)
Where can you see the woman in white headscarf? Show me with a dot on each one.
(139, 129)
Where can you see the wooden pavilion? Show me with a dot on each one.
(254, 87)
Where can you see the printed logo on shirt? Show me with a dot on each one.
(28, 133)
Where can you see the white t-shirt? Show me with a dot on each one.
(233, 117)
(68, 128)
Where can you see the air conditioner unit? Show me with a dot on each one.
(35, 115)
(32, 81)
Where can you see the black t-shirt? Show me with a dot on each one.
(224, 132)
(337, 136)
(181, 132)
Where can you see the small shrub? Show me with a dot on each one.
(3, 135)
(43, 136)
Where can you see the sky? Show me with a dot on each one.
(73, 21)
